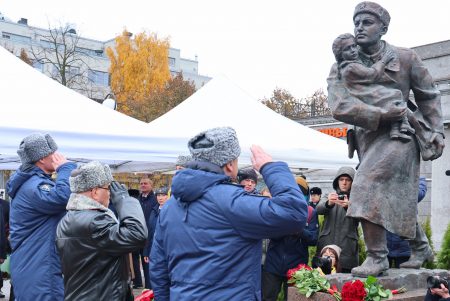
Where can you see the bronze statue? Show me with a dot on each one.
(384, 191)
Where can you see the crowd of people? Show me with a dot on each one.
(76, 234)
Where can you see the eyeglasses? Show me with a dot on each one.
(105, 188)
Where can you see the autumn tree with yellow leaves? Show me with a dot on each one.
(284, 103)
(139, 70)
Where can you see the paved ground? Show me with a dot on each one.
(7, 286)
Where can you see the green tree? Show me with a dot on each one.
(443, 259)
(426, 226)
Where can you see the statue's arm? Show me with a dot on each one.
(426, 94)
(357, 73)
(349, 109)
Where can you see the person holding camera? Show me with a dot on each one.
(338, 229)
(437, 289)
(328, 260)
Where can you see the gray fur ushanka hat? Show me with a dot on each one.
(90, 175)
(182, 160)
(35, 147)
(218, 146)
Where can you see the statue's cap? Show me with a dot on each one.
(374, 9)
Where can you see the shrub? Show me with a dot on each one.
(427, 229)
(443, 260)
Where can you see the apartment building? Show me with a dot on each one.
(94, 83)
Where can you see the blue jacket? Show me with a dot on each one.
(151, 226)
(38, 203)
(287, 252)
(207, 244)
(147, 204)
(397, 246)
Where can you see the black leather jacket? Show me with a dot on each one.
(93, 247)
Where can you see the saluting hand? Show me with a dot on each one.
(259, 157)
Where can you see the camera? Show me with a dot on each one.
(341, 197)
(435, 282)
(324, 263)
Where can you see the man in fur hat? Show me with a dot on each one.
(91, 242)
(38, 203)
(207, 243)
(248, 178)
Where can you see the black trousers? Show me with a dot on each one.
(138, 258)
(271, 286)
(395, 262)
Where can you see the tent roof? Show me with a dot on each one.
(221, 103)
(83, 129)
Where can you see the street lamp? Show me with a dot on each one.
(110, 102)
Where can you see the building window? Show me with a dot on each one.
(16, 37)
(99, 77)
(171, 62)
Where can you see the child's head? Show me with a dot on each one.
(332, 251)
(344, 48)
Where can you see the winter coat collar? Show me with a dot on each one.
(79, 202)
(370, 59)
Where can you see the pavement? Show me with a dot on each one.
(7, 286)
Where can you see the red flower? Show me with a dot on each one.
(353, 291)
(303, 266)
(291, 272)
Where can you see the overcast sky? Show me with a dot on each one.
(258, 44)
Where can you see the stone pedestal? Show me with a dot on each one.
(415, 281)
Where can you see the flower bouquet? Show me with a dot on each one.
(369, 290)
(309, 281)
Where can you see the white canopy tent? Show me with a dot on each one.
(83, 129)
(221, 103)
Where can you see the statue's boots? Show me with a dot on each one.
(376, 262)
(420, 250)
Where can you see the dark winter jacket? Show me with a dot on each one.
(38, 203)
(207, 244)
(287, 252)
(397, 246)
(151, 225)
(339, 229)
(147, 203)
(93, 246)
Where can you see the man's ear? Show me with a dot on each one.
(384, 30)
(228, 168)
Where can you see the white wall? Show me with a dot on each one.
(440, 205)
